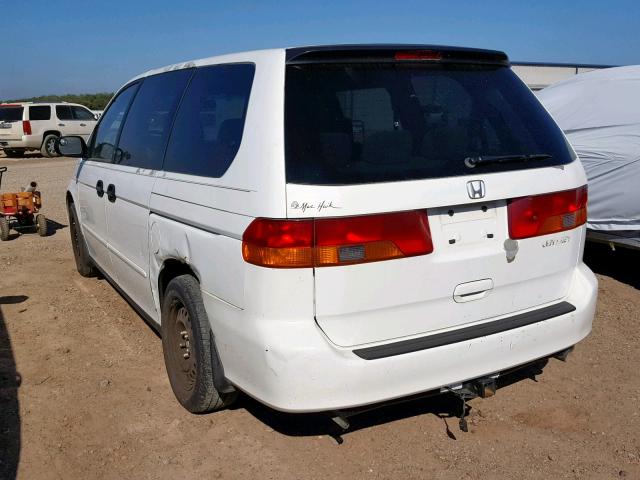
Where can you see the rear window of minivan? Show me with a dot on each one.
(378, 122)
(11, 113)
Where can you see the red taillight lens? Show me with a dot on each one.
(548, 213)
(26, 127)
(336, 241)
(419, 55)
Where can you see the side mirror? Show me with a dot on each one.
(71, 146)
(96, 116)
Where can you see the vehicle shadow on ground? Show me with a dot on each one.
(447, 407)
(620, 264)
(9, 407)
(53, 227)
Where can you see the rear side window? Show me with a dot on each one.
(40, 112)
(380, 122)
(11, 114)
(81, 113)
(146, 128)
(210, 121)
(106, 133)
(63, 112)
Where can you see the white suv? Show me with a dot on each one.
(36, 126)
(330, 227)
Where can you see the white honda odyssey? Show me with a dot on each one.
(325, 228)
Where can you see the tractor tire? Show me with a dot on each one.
(48, 146)
(4, 229)
(41, 225)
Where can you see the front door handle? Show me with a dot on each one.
(100, 188)
(111, 193)
(83, 124)
(61, 125)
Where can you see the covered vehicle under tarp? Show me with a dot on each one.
(599, 112)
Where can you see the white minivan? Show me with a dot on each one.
(330, 227)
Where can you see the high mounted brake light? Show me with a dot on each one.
(549, 213)
(324, 242)
(419, 55)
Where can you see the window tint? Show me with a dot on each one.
(106, 133)
(364, 123)
(10, 114)
(146, 128)
(81, 113)
(63, 112)
(209, 124)
(41, 112)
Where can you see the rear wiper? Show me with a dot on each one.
(472, 162)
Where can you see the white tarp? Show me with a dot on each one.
(599, 112)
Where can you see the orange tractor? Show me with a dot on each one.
(20, 210)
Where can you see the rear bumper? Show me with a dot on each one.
(26, 142)
(292, 366)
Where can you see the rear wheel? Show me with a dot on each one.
(188, 346)
(41, 225)
(4, 229)
(84, 265)
(48, 148)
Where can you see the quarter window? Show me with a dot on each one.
(40, 112)
(106, 133)
(81, 113)
(210, 121)
(146, 128)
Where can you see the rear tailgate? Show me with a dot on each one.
(11, 122)
(380, 135)
(468, 277)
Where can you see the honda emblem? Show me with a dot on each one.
(475, 189)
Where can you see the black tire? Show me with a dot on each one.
(48, 146)
(4, 229)
(13, 153)
(84, 265)
(188, 348)
(41, 225)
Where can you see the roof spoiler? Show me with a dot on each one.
(394, 53)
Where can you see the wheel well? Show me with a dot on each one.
(49, 132)
(170, 270)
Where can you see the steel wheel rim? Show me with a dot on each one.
(181, 349)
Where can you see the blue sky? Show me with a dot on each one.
(75, 46)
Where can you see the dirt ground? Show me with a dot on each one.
(84, 394)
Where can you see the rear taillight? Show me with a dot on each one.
(26, 127)
(548, 213)
(324, 242)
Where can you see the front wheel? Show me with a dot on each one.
(84, 265)
(187, 344)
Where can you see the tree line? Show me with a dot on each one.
(93, 101)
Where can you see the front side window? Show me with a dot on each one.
(106, 133)
(146, 129)
(379, 122)
(208, 128)
(81, 113)
(63, 112)
(40, 112)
